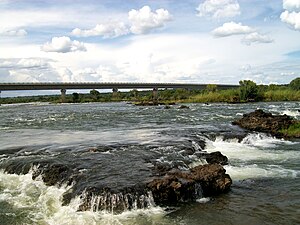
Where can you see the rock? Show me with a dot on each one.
(181, 186)
(216, 157)
(264, 122)
(184, 107)
(146, 103)
(54, 174)
(167, 107)
(93, 149)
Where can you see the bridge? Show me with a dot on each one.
(115, 86)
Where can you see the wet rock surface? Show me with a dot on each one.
(265, 122)
(120, 177)
(181, 186)
(215, 157)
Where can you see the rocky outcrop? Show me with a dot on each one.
(153, 103)
(183, 107)
(179, 186)
(54, 174)
(216, 157)
(265, 122)
(148, 183)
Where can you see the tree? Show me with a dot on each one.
(75, 97)
(248, 91)
(95, 95)
(295, 84)
(211, 87)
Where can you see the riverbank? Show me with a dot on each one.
(165, 97)
(247, 92)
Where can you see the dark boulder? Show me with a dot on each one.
(216, 157)
(265, 122)
(54, 174)
(183, 107)
(180, 186)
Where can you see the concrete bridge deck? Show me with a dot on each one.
(108, 85)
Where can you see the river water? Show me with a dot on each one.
(117, 144)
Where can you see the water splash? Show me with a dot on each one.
(41, 204)
(116, 202)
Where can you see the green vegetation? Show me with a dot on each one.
(292, 131)
(251, 92)
(247, 92)
(295, 84)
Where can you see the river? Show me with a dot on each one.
(117, 144)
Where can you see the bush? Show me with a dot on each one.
(249, 91)
(295, 84)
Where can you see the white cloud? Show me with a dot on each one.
(291, 5)
(144, 20)
(24, 63)
(256, 37)
(65, 74)
(87, 75)
(63, 45)
(141, 21)
(33, 63)
(147, 58)
(11, 33)
(27, 70)
(219, 9)
(232, 28)
(291, 18)
(249, 33)
(109, 30)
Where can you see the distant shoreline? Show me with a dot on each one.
(248, 91)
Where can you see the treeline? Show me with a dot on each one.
(248, 91)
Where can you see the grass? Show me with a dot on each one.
(292, 131)
(281, 95)
(266, 94)
(230, 95)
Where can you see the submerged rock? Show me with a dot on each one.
(181, 186)
(265, 122)
(183, 107)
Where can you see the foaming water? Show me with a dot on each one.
(293, 113)
(248, 158)
(41, 204)
(255, 171)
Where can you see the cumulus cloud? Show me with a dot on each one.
(24, 63)
(291, 5)
(291, 18)
(63, 45)
(219, 9)
(144, 20)
(232, 28)
(140, 21)
(109, 30)
(250, 34)
(13, 33)
(87, 75)
(27, 70)
(256, 37)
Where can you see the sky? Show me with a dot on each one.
(191, 41)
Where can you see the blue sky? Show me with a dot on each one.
(196, 41)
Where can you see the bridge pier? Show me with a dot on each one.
(63, 95)
(155, 94)
(115, 92)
